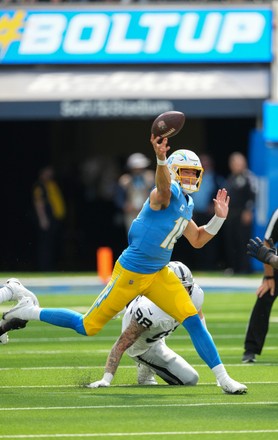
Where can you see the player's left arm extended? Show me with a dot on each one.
(198, 236)
(127, 338)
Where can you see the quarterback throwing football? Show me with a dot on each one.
(142, 267)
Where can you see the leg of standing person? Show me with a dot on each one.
(258, 327)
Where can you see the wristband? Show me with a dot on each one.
(108, 377)
(161, 162)
(269, 277)
(213, 226)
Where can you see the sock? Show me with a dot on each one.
(5, 294)
(34, 314)
(202, 341)
(220, 373)
(63, 318)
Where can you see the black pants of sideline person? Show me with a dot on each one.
(259, 321)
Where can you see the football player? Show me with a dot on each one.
(142, 268)
(144, 329)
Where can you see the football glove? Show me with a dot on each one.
(98, 384)
(258, 250)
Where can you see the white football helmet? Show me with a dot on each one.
(184, 274)
(197, 296)
(185, 159)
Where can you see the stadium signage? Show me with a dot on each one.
(150, 36)
(114, 108)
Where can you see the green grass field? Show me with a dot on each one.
(44, 368)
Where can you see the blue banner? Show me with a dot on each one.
(240, 35)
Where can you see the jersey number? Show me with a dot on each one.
(176, 232)
(145, 322)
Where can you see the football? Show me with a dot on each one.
(168, 124)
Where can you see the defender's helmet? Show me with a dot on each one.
(185, 159)
(187, 280)
(197, 296)
(183, 273)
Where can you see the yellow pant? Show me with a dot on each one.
(163, 288)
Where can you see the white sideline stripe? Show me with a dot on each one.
(158, 405)
(136, 434)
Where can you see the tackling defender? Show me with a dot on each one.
(144, 329)
(142, 267)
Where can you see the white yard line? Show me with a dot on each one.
(137, 434)
(130, 406)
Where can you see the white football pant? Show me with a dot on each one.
(168, 365)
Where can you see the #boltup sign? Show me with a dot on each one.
(150, 36)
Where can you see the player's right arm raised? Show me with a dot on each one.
(161, 195)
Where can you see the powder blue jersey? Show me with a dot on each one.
(153, 233)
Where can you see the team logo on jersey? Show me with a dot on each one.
(131, 282)
(182, 208)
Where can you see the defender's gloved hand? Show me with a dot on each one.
(98, 384)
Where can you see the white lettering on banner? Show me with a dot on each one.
(157, 28)
(118, 43)
(112, 34)
(77, 109)
(240, 28)
(187, 43)
(99, 25)
(43, 34)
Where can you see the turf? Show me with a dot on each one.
(44, 369)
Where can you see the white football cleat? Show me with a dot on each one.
(4, 339)
(231, 386)
(149, 381)
(145, 375)
(19, 291)
(24, 310)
